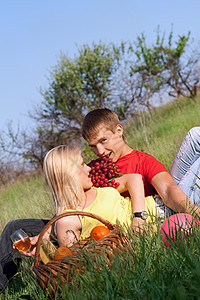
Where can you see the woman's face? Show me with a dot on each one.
(83, 174)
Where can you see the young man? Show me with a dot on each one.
(104, 134)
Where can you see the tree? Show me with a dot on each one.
(11, 165)
(76, 87)
(29, 145)
(127, 78)
(150, 71)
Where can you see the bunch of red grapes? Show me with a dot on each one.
(103, 172)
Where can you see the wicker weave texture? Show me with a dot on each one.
(60, 271)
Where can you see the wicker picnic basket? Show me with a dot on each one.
(48, 275)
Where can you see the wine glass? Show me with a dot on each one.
(21, 240)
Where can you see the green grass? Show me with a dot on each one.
(158, 272)
(161, 133)
(26, 198)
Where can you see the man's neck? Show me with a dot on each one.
(125, 150)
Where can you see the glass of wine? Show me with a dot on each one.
(21, 240)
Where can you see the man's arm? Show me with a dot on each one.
(172, 195)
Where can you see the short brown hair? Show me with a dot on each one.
(98, 118)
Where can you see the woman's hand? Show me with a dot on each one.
(138, 224)
(31, 251)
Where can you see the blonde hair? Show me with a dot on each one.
(60, 168)
(97, 119)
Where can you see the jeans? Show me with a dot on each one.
(185, 168)
(10, 258)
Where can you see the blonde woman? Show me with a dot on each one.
(71, 187)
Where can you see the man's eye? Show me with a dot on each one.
(103, 141)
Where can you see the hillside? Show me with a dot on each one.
(157, 272)
(159, 134)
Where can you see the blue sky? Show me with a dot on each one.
(32, 34)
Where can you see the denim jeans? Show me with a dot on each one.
(185, 168)
(10, 258)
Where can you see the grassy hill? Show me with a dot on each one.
(160, 134)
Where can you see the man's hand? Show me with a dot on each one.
(172, 195)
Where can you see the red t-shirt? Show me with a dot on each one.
(144, 164)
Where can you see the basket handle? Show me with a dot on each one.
(66, 214)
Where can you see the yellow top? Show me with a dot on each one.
(111, 206)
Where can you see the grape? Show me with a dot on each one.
(103, 171)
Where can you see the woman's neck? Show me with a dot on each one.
(89, 197)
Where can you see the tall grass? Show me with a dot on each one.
(161, 132)
(26, 198)
(158, 272)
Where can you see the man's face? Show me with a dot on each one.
(108, 143)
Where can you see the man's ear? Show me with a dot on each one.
(119, 130)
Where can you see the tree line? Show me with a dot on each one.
(127, 78)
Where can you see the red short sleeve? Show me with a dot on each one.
(144, 164)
